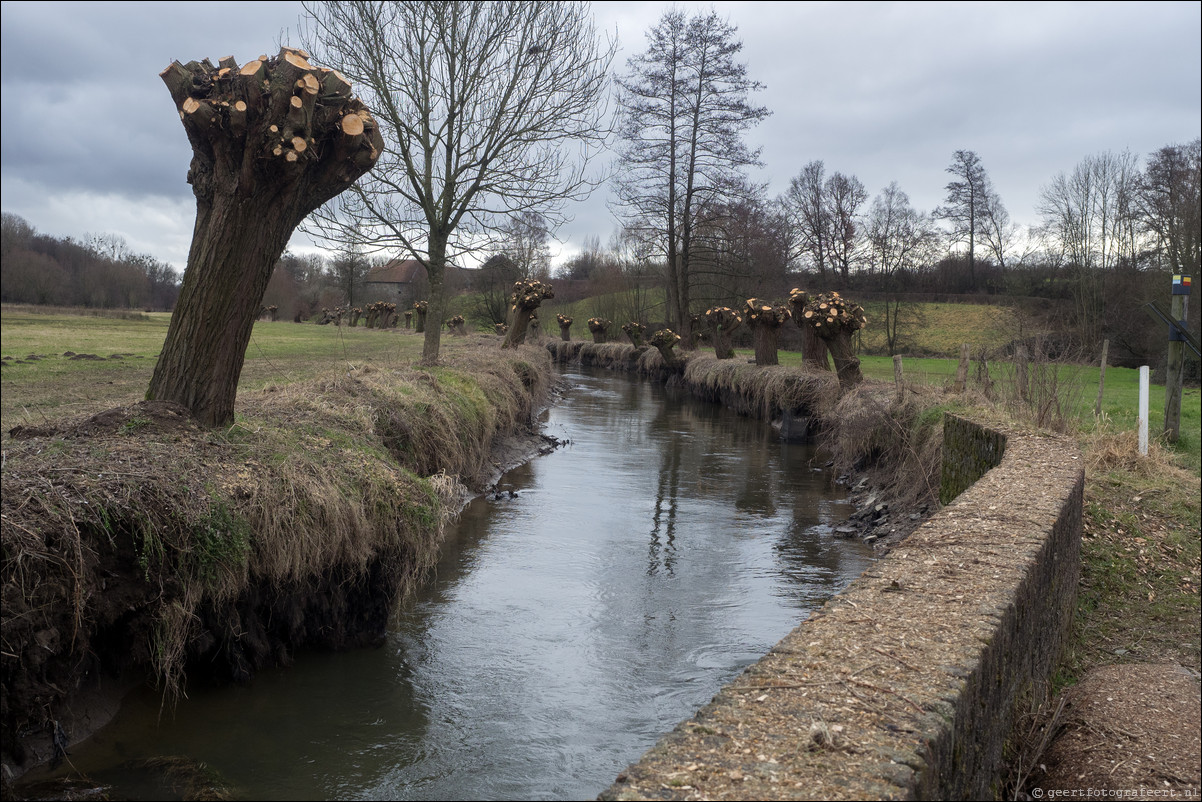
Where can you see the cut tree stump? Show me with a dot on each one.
(722, 322)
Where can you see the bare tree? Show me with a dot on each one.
(1170, 205)
(350, 268)
(845, 194)
(740, 249)
(525, 237)
(685, 107)
(823, 214)
(806, 210)
(966, 202)
(902, 240)
(488, 110)
(997, 232)
(1082, 215)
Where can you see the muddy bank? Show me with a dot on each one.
(139, 547)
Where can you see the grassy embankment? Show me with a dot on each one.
(135, 541)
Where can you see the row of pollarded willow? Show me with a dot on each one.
(828, 322)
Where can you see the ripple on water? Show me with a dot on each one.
(632, 574)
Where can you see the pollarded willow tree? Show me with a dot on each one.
(488, 110)
(528, 295)
(684, 110)
(834, 319)
(765, 320)
(272, 140)
(722, 322)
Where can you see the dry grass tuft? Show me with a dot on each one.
(763, 391)
(901, 445)
(1109, 450)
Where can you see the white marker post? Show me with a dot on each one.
(1144, 381)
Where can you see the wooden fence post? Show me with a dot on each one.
(961, 370)
(1097, 407)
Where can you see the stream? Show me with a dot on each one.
(609, 592)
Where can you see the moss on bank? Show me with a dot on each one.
(136, 543)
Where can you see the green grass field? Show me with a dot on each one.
(50, 384)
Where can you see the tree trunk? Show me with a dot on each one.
(765, 320)
(847, 364)
(766, 344)
(634, 332)
(254, 183)
(813, 350)
(663, 341)
(599, 329)
(563, 332)
(835, 320)
(435, 271)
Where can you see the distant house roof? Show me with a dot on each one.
(397, 271)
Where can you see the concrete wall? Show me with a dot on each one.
(906, 684)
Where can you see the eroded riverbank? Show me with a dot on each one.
(626, 578)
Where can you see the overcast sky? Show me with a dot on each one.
(91, 141)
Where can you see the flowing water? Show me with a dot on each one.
(626, 578)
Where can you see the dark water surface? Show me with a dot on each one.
(636, 571)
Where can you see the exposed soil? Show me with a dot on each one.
(1125, 728)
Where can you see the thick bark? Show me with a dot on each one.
(722, 322)
(565, 323)
(765, 321)
(813, 349)
(253, 185)
(847, 364)
(421, 309)
(766, 345)
(634, 332)
(663, 341)
(599, 329)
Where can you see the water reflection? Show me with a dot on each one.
(634, 572)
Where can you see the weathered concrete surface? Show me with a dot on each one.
(904, 686)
